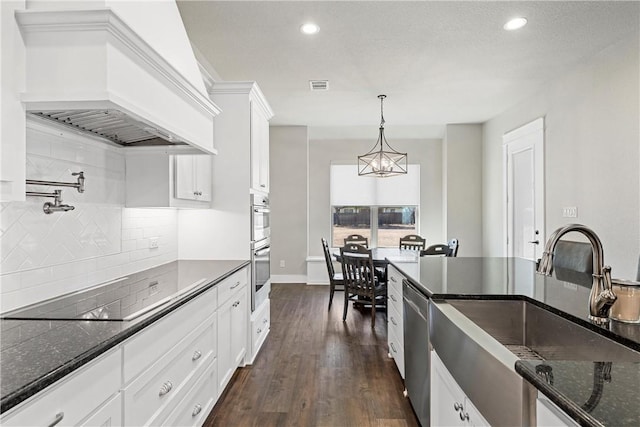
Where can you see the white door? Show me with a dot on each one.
(524, 190)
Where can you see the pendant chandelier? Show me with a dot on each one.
(382, 160)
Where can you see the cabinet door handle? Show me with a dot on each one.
(196, 410)
(166, 388)
(236, 285)
(59, 417)
(196, 355)
(263, 185)
(393, 347)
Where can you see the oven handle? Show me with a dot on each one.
(262, 210)
(262, 251)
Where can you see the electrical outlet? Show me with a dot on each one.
(281, 263)
(570, 212)
(153, 243)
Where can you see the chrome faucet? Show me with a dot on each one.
(601, 297)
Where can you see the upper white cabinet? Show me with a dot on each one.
(159, 179)
(259, 148)
(242, 132)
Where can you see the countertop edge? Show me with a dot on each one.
(20, 395)
(567, 405)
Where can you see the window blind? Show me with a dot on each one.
(347, 188)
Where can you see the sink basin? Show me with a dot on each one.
(531, 332)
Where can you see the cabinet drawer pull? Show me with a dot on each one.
(457, 406)
(196, 355)
(196, 410)
(393, 347)
(464, 417)
(393, 279)
(259, 331)
(237, 303)
(263, 185)
(59, 417)
(265, 321)
(166, 388)
(393, 297)
(393, 321)
(236, 285)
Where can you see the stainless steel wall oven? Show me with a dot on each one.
(260, 250)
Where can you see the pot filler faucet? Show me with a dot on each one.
(601, 297)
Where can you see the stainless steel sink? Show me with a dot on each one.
(531, 332)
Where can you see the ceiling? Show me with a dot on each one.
(438, 62)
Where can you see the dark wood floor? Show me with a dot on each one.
(315, 370)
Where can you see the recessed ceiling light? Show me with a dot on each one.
(515, 24)
(309, 28)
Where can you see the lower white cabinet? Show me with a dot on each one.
(449, 404)
(260, 325)
(395, 321)
(89, 396)
(232, 334)
(549, 415)
(195, 407)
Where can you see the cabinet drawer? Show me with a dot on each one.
(394, 289)
(154, 393)
(260, 326)
(145, 348)
(73, 398)
(198, 402)
(109, 414)
(231, 284)
(395, 325)
(396, 351)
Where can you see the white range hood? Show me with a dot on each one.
(124, 70)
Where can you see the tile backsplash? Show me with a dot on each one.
(42, 256)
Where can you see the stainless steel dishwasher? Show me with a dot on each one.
(416, 350)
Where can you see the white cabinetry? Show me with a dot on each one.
(260, 325)
(549, 415)
(233, 316)
(159, 179)
(449, 404)
(259, 148)
(395, 329)
(89, 396)
(245, 125)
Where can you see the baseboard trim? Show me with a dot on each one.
(288, 278)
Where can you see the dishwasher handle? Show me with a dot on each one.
(415, 299)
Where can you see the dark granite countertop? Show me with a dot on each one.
(36, 353)
(442, 278)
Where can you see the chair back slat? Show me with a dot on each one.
(437, 249)
(327, 259)
(413, 242)
(453, 247)
(357, 270)
(356, 239)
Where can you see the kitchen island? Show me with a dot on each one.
(570, 387)
(53, 344)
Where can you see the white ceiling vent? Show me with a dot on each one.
(315, 85)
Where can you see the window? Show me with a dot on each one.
(381, 209)
(393, 222)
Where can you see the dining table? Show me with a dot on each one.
(382, 256)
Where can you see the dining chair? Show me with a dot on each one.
(356, 239)
(335, 279)
(437, 249)
(413, 242)
(360, 282)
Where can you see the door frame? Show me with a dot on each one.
(513, 136)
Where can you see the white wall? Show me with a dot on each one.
(592, 152)
(42, 256)
(288, 197)
(462, 187)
